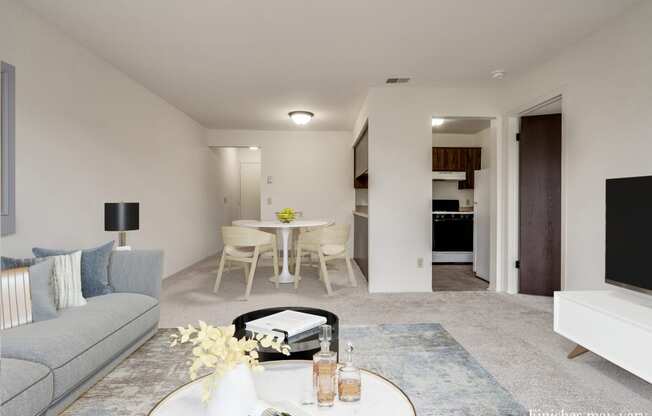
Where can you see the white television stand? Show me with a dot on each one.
(616, 325)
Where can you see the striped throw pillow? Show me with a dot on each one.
(66, 275)
(15, 298)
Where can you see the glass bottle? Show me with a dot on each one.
(349, 383)
(324, 369)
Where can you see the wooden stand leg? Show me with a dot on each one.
(577, 351)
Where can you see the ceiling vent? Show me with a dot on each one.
(397, 80)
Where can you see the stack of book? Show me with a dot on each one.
(287, 325)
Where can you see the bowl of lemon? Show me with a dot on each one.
(286, 215)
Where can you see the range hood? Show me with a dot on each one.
(448, 176)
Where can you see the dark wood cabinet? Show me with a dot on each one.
(458, 159)
(361, 161)
(473, 163)
(361, 152)
(361, 243)
(449, 159)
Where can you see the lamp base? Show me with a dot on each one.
(122, 238)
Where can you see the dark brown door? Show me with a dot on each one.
(540, 204)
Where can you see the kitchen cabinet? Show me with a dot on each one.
(361, 243)
(361, 151)
(457, 159)
(361, 161)
(448, 159)
(473, 163)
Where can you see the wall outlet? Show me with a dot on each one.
(420, 262)
(269, 200)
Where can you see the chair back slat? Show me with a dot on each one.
(244, 237)
(335, 234)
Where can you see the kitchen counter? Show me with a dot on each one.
(361, 211)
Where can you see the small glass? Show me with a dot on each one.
(349, 380)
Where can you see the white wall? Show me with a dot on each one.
(454, 140)
(87, 134)
(312, 171)
(450, 190)
(606, 84)
(361, 197)
(247, 155)
(400, 189)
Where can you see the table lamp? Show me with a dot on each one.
(121, 217)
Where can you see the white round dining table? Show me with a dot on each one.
(286, 230)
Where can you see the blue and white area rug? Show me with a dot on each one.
(437, 373)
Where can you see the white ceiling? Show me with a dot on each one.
(464, 125)
(246, 63)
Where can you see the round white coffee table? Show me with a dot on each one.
(285, 276)
(286, 383)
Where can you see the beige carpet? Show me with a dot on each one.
(510, 335)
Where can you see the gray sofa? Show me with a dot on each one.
(46, 365)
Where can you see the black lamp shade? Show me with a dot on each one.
(121, 216)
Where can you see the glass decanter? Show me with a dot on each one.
(324, 369)
(349, 383)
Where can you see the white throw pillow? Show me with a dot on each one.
(15, 298)
(66, 275)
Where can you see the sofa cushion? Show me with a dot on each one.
(94, 267)
(26, 387)
(83, 339)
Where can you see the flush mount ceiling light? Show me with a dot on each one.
(436, 122)
(301, 117)
(498, 74)
(253, 147)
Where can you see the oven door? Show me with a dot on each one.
(452, 234)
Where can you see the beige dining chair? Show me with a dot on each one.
(295, 243)
(245, 245)
(330, 243)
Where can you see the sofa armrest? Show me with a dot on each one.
(138, 271)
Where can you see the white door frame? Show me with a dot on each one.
(512, 192)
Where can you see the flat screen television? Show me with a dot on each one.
(628, 261)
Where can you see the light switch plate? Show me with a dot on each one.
(420, 262)
(269, 179)
(269, 201)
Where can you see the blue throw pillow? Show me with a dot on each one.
(8, 263)
(40, 282)
(94, 267)
(42, 290)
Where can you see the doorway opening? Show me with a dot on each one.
(462, 149)
(239, 170)
(539, 189)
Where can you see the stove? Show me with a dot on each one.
(452, 232)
